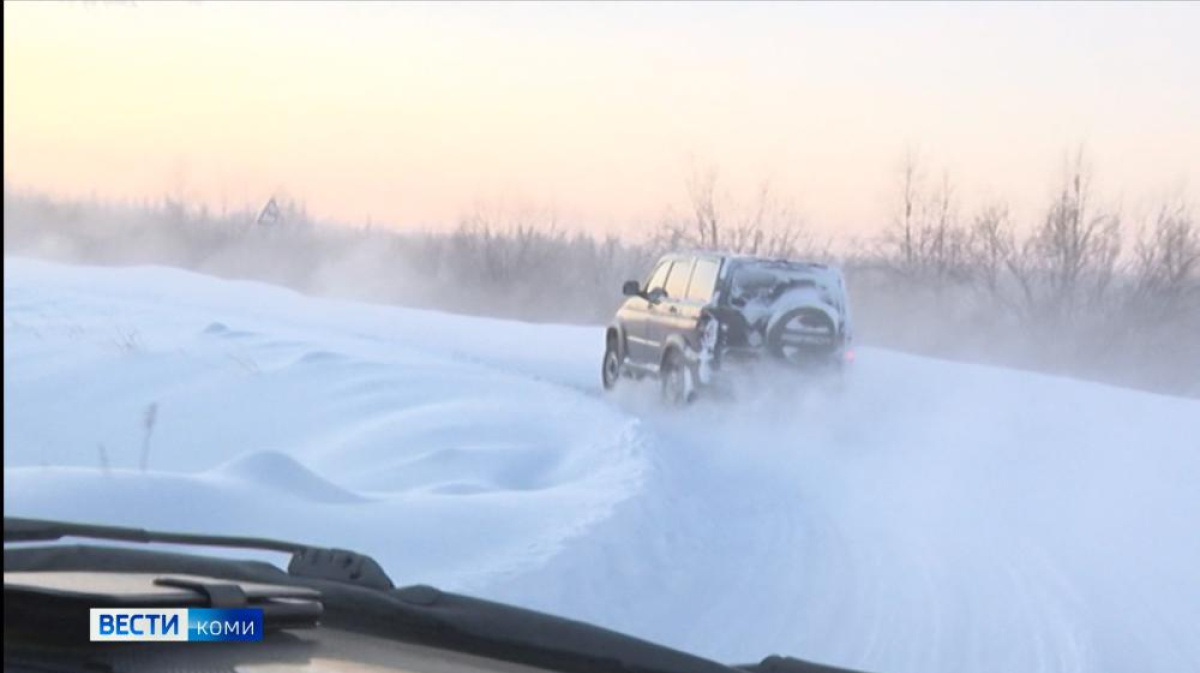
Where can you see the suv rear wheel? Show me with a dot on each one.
(678, 380)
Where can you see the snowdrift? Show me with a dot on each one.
(934, 517)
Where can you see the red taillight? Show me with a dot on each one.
(849, 355)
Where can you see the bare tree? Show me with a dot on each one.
(905, 222)
(991, 248)
(1073, 254)
(764, 225)
(926, 240)
(702, 193)
(1166, 265)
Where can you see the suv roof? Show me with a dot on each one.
(741, 256)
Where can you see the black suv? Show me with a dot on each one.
(698, 313)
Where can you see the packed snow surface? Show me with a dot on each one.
(933, 517)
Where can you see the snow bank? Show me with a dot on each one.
(270, 423)
(934, 517)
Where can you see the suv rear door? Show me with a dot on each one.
(667, 317)
(704, 280)
(687, 311)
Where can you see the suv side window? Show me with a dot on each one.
(704, 280)
(677, 281)
(658, 279)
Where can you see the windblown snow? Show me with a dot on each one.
(934, 517)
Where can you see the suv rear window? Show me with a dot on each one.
(767, 280)
(704, 280)
(677, 282)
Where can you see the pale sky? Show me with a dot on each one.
(410, 114)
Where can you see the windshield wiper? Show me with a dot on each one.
(306, 560)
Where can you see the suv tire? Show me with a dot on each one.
(678, 380)
(778, 346)
(610, 369)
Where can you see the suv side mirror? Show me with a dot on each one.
(631, 288)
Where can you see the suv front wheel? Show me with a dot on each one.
(610, 371)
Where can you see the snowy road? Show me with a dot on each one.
(937, 517)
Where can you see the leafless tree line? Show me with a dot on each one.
(521, 264)
(1081, 290)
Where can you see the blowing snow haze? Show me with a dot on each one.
(346, 274)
